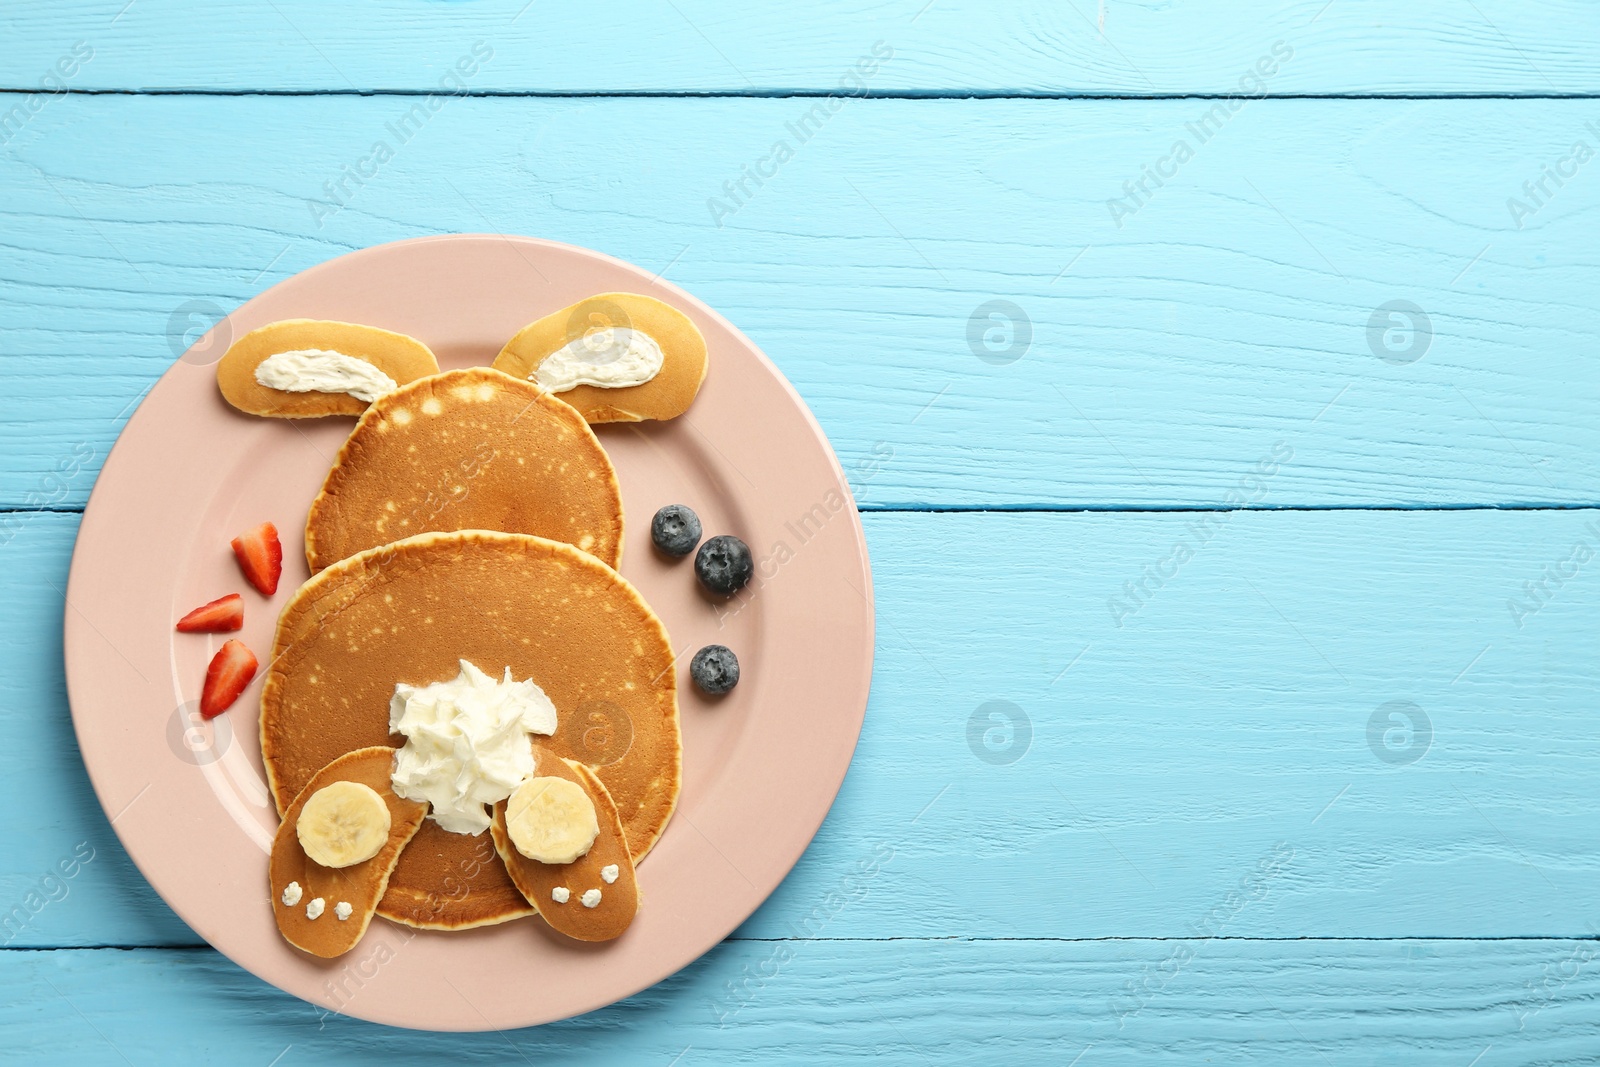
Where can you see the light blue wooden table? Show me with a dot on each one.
(1219, 385)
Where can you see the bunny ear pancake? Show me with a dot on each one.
(665, 396)
(395, 356)
(410, 612)
(467, 450)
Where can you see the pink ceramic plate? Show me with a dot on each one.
(761, 766)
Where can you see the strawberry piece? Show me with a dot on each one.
(231, 670)
(220, 616)
(260, 557)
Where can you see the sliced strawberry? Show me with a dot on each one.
(220, 616)
(231, 670)
(260, 557)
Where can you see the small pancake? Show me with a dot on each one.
(409, 612)
(405, 359)
(467, 450)
(361, 885)
(665, 396)
(619, 900)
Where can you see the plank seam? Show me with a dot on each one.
(1073, 509)
(792, 94)
(1407, 938)
(1208, 509)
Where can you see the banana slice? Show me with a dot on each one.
(594, 896)
(551, 820)
(342, 824)
(324, 909)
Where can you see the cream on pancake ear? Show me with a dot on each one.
(393, 358)
(665, 396)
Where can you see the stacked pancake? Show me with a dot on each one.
(410, 612)
(471, 518)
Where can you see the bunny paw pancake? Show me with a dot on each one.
(562, 842)
(467, 450)
(616, 357)
(336, 849)
(306, 368)
(474, 647)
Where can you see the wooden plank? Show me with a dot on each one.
(1236, 736)
(1432, 46)
(1230, 315)
(1108, 1002)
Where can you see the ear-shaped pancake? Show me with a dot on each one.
(665, 396)
(467, 450)
(349, 895)
(584, 880)
(317, 347)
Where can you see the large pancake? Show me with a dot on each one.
(409, 612)
(467, 450)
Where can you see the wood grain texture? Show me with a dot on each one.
(1229, 313)
(1224, 727)
(1084, 46)
(1432, 1002)
(1217, 752)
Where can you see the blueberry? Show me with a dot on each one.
(715, 669)
(724, 564)
(675, 530)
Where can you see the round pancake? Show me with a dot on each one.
(467, 450)
(402, 358)
(409, 612)
(666, 396)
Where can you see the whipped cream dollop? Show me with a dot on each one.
(466, 743)
(613, 358)
(322, 370)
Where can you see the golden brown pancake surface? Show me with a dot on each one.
(402, 358)
(619, 900)
(467, 450)
(361, 885)
(409, 612)
(665, 396)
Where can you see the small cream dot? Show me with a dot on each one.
(314, 908)
(291, 894)
(608, 873)
(591, 898)
(560, 894)
(343, 910)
